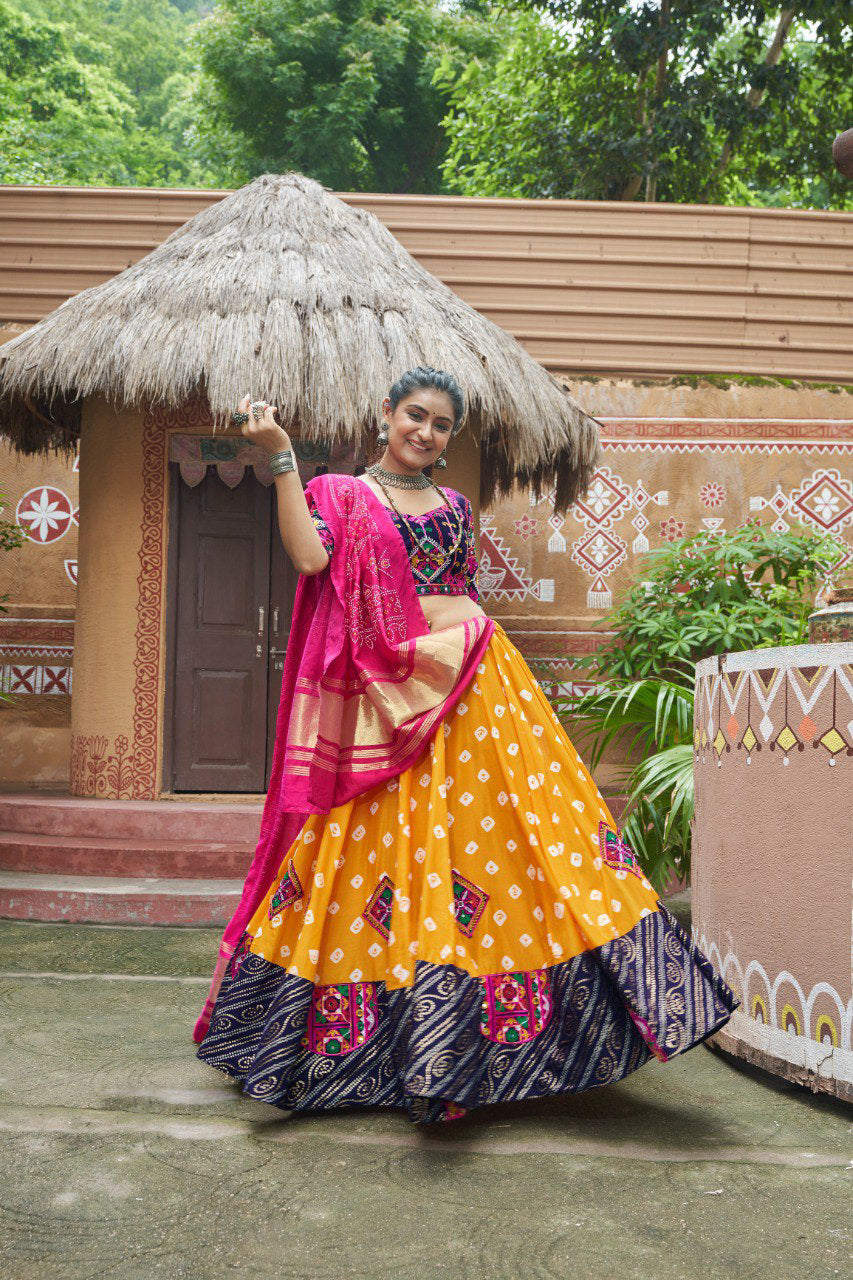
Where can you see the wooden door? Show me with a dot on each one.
(283, 580)
(222, 659)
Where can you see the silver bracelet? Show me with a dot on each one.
(281, 461)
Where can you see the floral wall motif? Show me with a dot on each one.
(552, 580)
(42, 497)
(46, 513)
(97, 770)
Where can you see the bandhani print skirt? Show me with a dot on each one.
(474, 931)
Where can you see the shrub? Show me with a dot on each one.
(709, 594)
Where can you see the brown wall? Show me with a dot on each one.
(773, 768)
(586, 286)
(102, 713)
(37, 621)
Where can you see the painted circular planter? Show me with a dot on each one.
(834, 623)
(773, 854)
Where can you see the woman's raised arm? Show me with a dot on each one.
(299, 534)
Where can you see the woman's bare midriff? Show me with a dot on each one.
(445, 611)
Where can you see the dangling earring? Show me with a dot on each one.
(440, 461)
(382, 438)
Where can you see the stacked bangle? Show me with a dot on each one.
(281, 461)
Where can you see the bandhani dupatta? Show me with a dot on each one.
(365, 683)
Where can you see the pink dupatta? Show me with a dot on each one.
(364, 686)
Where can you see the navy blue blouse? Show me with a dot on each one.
(454, 577)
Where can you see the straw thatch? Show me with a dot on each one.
(284, 290)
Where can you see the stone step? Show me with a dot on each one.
(223, 822)
(124, 900)
(74, 855)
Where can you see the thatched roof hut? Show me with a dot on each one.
(285, 290)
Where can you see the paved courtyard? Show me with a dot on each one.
(123, 1156)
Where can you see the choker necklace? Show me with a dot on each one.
(395, 479)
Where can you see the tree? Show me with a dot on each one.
(341, 91)
(97, 91)
(727, 101)
(141, 43)
(60, 122)
(508, 124)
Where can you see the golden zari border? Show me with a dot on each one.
(369, 727)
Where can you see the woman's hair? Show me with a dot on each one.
(426, 377)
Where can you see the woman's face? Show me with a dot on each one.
(419, 428)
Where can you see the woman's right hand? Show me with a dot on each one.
(266, 432)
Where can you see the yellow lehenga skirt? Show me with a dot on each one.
(473, 931)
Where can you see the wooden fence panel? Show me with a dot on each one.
(586, 286)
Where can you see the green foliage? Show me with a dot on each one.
(58, 115)
(340, 91)
(714, 593)
(709, 594)
(654, 717)
(507, 122)
(579, 98)
(12, 535)
(97, 91)
(685, 102)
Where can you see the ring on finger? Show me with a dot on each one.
(258, 408)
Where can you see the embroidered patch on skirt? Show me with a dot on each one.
(474, 931)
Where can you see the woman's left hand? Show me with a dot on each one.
(266, 432)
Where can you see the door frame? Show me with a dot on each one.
(167, 777)
(171, 639)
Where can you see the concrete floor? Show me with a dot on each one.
(124, 1156)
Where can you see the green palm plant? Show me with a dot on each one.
(750, 588)
(655, 717)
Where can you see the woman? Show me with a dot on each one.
(441, 912)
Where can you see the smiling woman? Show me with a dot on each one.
(423, 410)
(441, 912)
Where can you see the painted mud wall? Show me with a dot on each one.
(773, 771)
(120, 679)
(37, 621)
(676, 459)
(117, 614)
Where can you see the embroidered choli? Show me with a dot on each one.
(458, 577)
